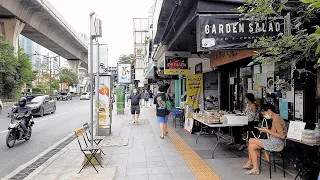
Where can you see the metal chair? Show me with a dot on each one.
(96, 139)
(87, 148)
(274, 161)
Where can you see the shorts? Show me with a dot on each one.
(146, 99)
(135, 109)
(162, 119)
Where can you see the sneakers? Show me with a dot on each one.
(161, 137)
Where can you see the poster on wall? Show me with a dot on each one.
(194, 84)
(283, 108)
(176, 66)
(198, 68)
(298, 104)
(103, 106)
(270, 82)
(124, 73)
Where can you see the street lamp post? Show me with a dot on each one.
(91, 77)
(49, 61)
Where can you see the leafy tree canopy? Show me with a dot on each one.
(69, 77)
(300, 44)
(127, 58)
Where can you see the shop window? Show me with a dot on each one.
(211, 90)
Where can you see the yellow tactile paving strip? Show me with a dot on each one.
(197, 165)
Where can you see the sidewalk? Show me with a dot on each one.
(135, 151)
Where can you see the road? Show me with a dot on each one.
(47, 131)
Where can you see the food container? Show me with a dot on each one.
(233, 119)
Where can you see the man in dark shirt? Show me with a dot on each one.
(135, 99)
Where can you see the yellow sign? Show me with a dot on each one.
(194, 85)
(79, 132)
(176, 71)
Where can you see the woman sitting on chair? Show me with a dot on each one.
(275, 142)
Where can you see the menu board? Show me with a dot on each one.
(295, 130)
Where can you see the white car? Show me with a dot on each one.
(1, 106)
(85, 96)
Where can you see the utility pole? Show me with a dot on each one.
(91, 77)
(49, 59)
(97, 87)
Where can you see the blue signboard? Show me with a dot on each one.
(283, 108)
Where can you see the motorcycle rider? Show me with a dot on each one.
(23, 109)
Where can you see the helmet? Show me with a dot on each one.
(22, 102)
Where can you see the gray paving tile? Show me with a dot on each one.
(132, 159)
(176, 163)
(151, 164)
(136, 171)
(180, 169)
(183, 176)
(174, 158)
(157, 153)
(131, 165)
(158, 170)
(160, 177)
(137, 177)
(155, 158)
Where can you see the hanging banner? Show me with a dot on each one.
(124, 73)
(104, 101)
(231, 31)
(194, 85)
(176, 66)
(120, 93)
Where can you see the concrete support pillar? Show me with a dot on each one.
(11, 29)
(74, 66)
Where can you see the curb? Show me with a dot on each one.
(44, 165)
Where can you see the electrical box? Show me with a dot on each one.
(96, 27)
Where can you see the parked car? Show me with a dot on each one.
(1, 106)
(64, 96)
(85, 96)
(40, 104)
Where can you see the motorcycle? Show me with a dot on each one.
(15, 131)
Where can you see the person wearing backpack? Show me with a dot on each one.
(163, 106)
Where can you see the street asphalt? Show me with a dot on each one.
(47, 131)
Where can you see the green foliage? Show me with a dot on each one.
(40, 89)
(14, 70)
(127, 58)
(55, 84)
(296, 46)
(69, 77)
(25, 68)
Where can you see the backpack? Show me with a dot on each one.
(168, 103)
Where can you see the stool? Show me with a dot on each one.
(274, 161)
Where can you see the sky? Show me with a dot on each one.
(116, 16)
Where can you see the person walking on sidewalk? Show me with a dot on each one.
(135, 99)
(161, 110)
(150, 97)
(146, 98)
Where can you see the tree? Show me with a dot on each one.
(285, 47)
(127, 58)
(25, 68)
(14, 71)
(69, 77)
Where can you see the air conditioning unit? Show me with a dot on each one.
(96, 27)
